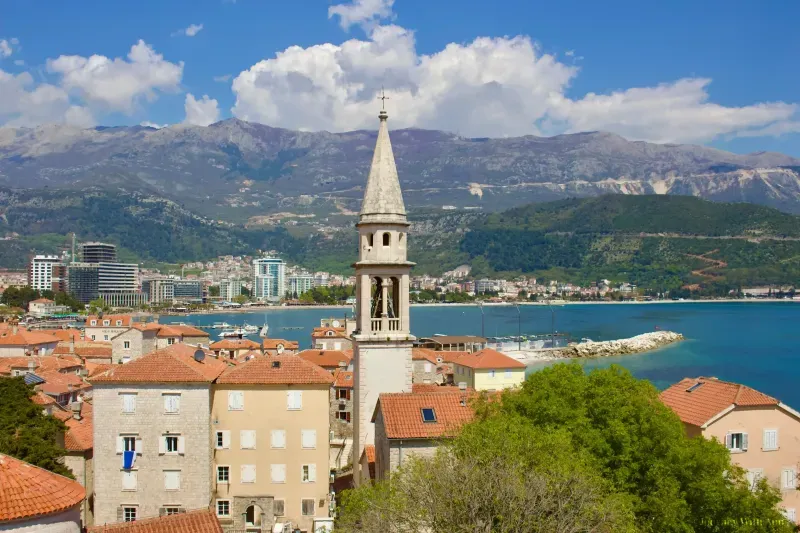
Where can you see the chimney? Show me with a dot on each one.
(31, 365)
(75, 407)
(71, 344)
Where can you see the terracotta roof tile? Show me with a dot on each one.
(27, 491)
(450, 357)
(97, 368)
(327, 358)
(198, 521)
(79, 436)
(27, 338)
(42, 301)
(60, 383)
(424, 354)
(261, 371)
(333, 333)
(235, 344)
(189, 331)
(174, 364)
(488, 358)
(84, 348)
(168, 331)
(342, 379)
(402, 414)
(41, 398)
(66, 334)
(710, 398)
(127, 321)
(272, 344)
(433, 387)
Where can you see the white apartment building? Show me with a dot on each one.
(269, 279)
(40, 271)
(297, 284)
(229, 289)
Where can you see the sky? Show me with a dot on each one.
(724, 74)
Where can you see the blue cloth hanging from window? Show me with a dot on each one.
(128, 458)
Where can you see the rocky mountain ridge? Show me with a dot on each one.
(262, 169)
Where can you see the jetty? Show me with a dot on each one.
(638, 344)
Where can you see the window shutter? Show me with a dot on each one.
(744, 441)
(162, 445)
(278, 473)
(120, 514)
(247, 439)
(248, 473)
(729, 441)
(289, 400)
(226, 439)
(120, 447)
(181, 445)
(278, 438)
(309, 438)
(139, 447)
(312, 472)
(789, 478)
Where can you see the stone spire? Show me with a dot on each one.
(383, 200)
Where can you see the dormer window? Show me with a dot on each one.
(94, 322)
(329, 333)
(106, 322)
(428, 415)
(119, 322)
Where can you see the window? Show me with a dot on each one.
(129, 514)
(371, 239)
(128, 403)
(278, 438)
(247, 439)
(171, 444)
(386, 239)
(223, 474)
(105, 337)
(309, 438)
(308, 473)
(770, 440)
(169, 511)
(129, 480)
(172, 403)
(343, 394)
(278, 473)
(428, 414)
(94, 322)
(93, 337)
(508, 373)
(278, 507)
(790, 515)
(106, 322)
(223, 508)
(491, 373)
(248, 473)
(126, 345)
(172, 480)
(736, 442)
(308, 507)
(119, 322)
(171, 341)
(235, 401)
(294, 400)
(129, 444)
(428, 367)
(343, 415)
(788, 478)
(753, 477)
(223, 440)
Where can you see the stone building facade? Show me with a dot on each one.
(132, 344)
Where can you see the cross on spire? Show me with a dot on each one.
(383, 99)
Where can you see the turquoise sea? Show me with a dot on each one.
(753, 343)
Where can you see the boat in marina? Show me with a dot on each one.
(249, 328)
(220, 325)
(233, 333)
(264, 330)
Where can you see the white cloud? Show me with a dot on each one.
(201, 112)
(149, 124)
(490, 87)
(191, 31)
(24, 104)
(362, 12)
(5, 48)
(19, 62)
(222, 79)
(118, 84)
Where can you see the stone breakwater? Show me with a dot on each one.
(637, 344)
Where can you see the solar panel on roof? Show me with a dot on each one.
(32, 379)
(694, 387)
(428, 414)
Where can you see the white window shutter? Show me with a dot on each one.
(289, 400)
(167, 403)
(278, 438)
(309, 438)
(248, 473)
(312, 472)
(139, 447)
(775, 439)
(181, 445)
(247, 439)
(120, 445)
(728, 441)
(162, 445)
(744, 441)
(226, 439)
(278, 473)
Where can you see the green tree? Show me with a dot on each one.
(63, 298)
(213, 290)
(25, 431)
(97, 305)
(19, 296)
(240, 299)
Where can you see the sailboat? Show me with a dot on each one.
(264, 329)
(249, 328)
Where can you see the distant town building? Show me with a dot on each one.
(269, 282)
(42, 307)
(188, 290)
(159, 290)
(83, 281)
(41, 275)
(297, 284)
(98, 252)
(230, 289)
(321, 279)
(116, 283)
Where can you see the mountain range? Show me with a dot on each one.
(239, 171)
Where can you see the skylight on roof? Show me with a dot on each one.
(694, 387)
(428, 414)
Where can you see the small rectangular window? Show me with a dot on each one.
(128, 403)
(169, 511)
(247, 439)
(736, 442)
(223, 508)
(129, 480)
(278, 507)
(172, 479)
(223, 474)
(278, 438)
(129, 514)
(308, 473)
(129, 444)
(126, 345)
(235, 401)
(171, 444)
(788, 479)
(770, 440)
(308, 438)
(294, 400)
(308, 507)
(508, 374)
(248, 473)
(172, 403)
(278, 473)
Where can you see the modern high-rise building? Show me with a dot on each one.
(41, 272)
(116, 283)
(83, 281)
(188, 290)
(269, 281)
(230, 289)
(159, 290)
(382, 340)
(98, 252)
(321, 279)
(297, 284)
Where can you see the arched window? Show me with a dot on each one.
(386, 239)
(370, 238)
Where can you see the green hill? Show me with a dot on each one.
(656, 241)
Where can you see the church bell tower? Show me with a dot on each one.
(382, 341)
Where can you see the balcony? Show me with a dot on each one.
(384, 324)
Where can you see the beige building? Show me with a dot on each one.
(426, 366)
(488, 370)
(762, 433)
(331, 338)
(233, 348)
(152, 450)
(270, 435)
(279, 346)
(414, 424)
(106, 327)
(133, 343)
(18, 342)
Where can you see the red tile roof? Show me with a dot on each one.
(342, 379)
(488, 358)
(27, 491)
(97, 368)
(41, 398)
(425, 354)
(66, 334)
(168, 331)
(709, 399)
(450, 357)
(79, 436)
(189, 331)
(272, 344)
(327, 358)
(42, 301)
(292, 370)
(402, 414)
(127, 321)
(198, 521)
(174, 364)
(235, 344)
(84, 348)
(333, 333)
(433, 387)
(369, 452)
(27, 338)
(59, 383)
